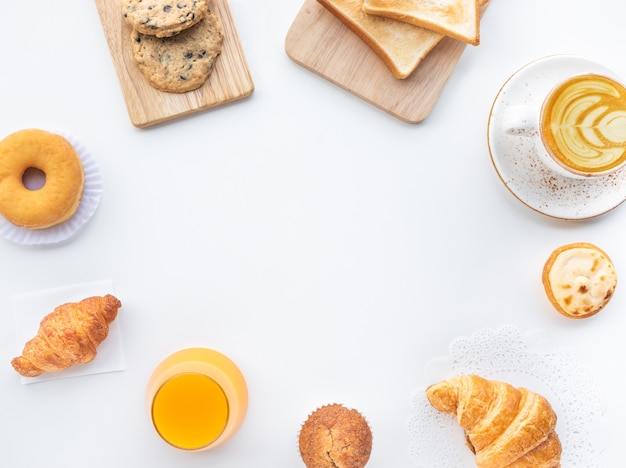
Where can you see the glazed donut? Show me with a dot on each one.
(58, 199)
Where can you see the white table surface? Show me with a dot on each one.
(328, 248)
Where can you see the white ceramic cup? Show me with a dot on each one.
(578, 124)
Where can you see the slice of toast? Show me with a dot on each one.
(459, 19)
(400, 45)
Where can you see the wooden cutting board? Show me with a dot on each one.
(320, 42)
(229, 81)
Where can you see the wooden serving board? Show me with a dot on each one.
(320, 42)
(229, 81)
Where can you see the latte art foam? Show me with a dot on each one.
(584, 124)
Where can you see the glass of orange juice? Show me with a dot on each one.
(197, 399)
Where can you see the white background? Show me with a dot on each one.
(328, 248)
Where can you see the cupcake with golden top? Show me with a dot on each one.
(579, 279)
(334, 436)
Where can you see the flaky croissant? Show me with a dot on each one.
(67, 336)
(504, 426)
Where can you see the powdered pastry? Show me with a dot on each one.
(579, 279)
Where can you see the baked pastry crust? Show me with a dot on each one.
(579, 279)
(60, 196)
(334, 436)
(504, 426)
(67, 336)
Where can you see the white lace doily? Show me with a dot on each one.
(531, 361)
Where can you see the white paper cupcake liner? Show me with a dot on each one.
(92, 194)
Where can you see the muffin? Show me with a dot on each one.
(334, 436)
(579, 279)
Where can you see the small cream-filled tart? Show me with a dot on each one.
(579, 279)
(197, 399)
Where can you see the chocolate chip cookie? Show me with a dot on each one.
(182, 62)
(163, 18)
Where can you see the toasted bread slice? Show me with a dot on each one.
(459, 19)
(401, 46)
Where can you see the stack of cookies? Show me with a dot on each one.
(175, 42)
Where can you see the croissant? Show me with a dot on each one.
(504, 426)
(67, 336)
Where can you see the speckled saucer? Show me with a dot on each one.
(516, 160)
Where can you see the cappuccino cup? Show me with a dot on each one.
(578, 126)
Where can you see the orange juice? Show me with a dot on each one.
(197, 399)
